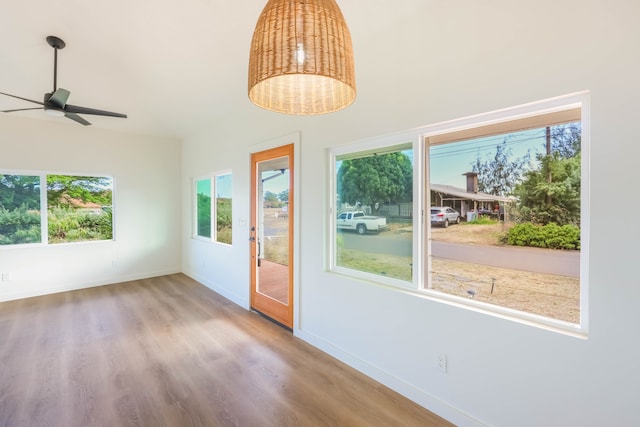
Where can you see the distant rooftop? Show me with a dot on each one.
(463, 194)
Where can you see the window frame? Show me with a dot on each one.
(382, 145)
(534, 114)
(194, 193)
(44, 207)
(212, 177)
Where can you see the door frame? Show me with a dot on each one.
(294, 224)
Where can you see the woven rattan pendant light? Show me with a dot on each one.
(301, 59)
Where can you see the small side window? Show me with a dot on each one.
(374, 188)
(213, 208)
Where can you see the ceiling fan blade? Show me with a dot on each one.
(84, 110)
(76, 118)
(59, 97)
(24, 99)
(22, 109)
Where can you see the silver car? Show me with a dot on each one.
(444, 215)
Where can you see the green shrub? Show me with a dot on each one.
(204, 215)
(73, 225)
(223, 213)
(482, 220)
(19, 225)
(550, 236)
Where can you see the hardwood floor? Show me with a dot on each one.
(168, 351)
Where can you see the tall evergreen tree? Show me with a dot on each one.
(19, 191)
(498, 175)
(543, 201)
(566, 140)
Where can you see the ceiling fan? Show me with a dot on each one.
(55, 102)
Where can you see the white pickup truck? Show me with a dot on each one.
(358, 221)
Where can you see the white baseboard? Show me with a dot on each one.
(228, 294)
(111, 280)
(431, 403)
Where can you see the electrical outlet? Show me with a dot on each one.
(6, 277)
(441, 362)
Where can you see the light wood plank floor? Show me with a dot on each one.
(168, 351)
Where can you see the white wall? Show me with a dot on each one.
(146, 172)
(449, 60)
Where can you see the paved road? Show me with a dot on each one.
(549, 261)
(563, 263)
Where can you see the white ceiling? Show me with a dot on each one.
(174, 66)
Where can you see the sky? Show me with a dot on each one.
(223, 186)
(449, 161)
(277, 184)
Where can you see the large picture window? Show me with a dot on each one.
(79, 208)
(515, 190)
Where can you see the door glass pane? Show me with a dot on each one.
(273, 229)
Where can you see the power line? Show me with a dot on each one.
(461, 148)
(487, 143)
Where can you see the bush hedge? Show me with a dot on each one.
(19, 225)
(550, 236)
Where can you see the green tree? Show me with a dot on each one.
(62, 188)
(283, 196)
(223, 220)
(376, 179)
(566, 140)
(19, 191)
(551, 193)
(204, 215)
(498, 175)
(19, 209)
(271, 200)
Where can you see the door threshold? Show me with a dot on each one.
(272, 320)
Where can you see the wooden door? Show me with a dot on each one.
(271, 237)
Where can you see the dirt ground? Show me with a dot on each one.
(553, 296)
(477, 234)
